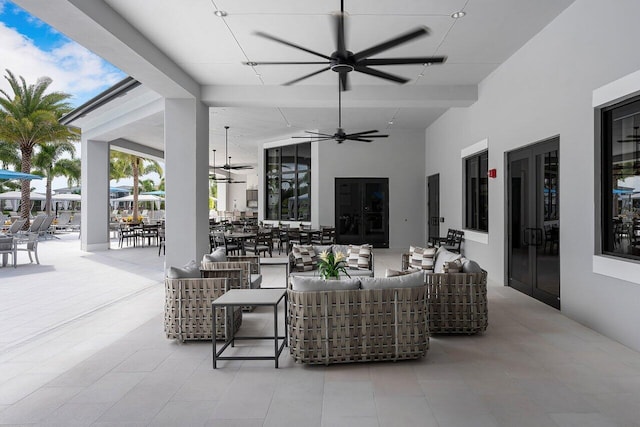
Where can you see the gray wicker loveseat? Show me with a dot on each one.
(357, 320)
(456, 290)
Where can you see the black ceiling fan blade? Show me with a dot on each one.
(306, 76)
(358, 139)
(418, 32)
(381, 74)
(317, 133)
(363, 132)
(367, 136)
(286, 63)
(344, 80)
(338, 23)
(293, 45)
(402, 61)
(324, 138)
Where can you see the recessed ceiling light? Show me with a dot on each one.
(390, 122)
(458, 14)
(220, 13)
(421, 75)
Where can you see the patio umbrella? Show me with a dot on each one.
(17, 195)
(155, 193)
(7, 174)
(66, 197)
(141, 198)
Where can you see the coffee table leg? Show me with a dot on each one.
(275, 333)
(213, 334)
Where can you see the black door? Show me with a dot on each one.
(362, 211)
(433, 201)
(534, 221)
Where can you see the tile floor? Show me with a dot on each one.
(82, 345)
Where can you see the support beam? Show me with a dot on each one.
(409, 96)
(94, 234)
(187, 172)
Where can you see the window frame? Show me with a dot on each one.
(472, 215)
(607, 183)
(295, 185)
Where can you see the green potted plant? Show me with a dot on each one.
(331, 265)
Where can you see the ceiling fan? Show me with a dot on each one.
(340, 136)
(225, 180)
(343, 61)
(228, 166)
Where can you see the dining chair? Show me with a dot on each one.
(262, 243)
(29, 245)
(127, 233)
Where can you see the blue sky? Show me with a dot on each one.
(32, 49)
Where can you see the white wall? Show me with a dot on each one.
(545, 89)
(399, 158)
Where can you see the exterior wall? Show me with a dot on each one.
(545, 89)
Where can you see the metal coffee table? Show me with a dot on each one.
(244, 297)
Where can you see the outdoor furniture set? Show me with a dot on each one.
(357, 319)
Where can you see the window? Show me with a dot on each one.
(621, 179)
(288, 182)
(477, 192)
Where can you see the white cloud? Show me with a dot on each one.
(72, 68)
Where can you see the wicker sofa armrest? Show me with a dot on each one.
(187, 310)
(253, 260)
(457, 302)
(406, 261)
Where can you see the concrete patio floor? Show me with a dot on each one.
(82, 343)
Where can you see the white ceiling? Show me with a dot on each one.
(211, 51)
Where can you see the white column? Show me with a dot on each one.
(186, 144)
(94, 225)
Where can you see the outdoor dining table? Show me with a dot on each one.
(240, 237)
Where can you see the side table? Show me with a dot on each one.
(251, 297)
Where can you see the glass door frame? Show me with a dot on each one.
(537, 236)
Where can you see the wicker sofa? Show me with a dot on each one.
(457, 297)
(296, 270)
(357, 320)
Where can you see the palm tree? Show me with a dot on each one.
(30, 117)
(9, 157)
(49, 163)
(123, 165)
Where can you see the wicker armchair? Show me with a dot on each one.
(238, 273)
(187, 311)
(358, 325)
(457, 302)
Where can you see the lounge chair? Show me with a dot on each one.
(63, 221)
(36, 223)
(16, 227)
(46, 228)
